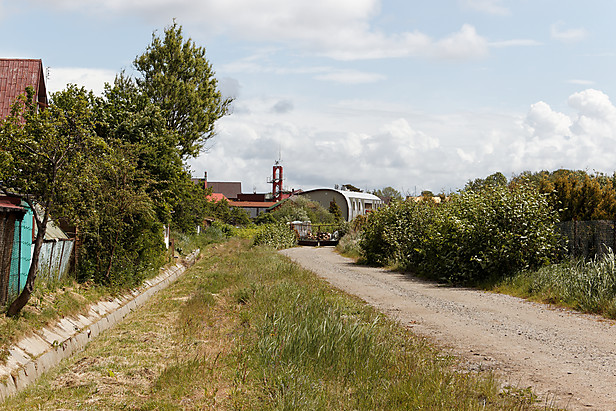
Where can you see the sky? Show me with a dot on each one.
(416, 95)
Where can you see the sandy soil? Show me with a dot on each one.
(569, 359)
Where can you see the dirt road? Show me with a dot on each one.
(569, 359)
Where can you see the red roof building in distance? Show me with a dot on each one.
(216, 197)
(15, 76)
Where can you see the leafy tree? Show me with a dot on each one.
(388, 194)
(334, 210)
(493, 180)
(575, 194)
(427, 195)
(176, 76)
(224, 212)
(120, 234)
(299, 209)
(46, 157)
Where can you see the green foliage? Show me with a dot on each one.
(114, 165)
(298, 208)
(265, 218)
(120, 235)
(588, 286)
(277, 235)
(176, 77)
(475, 236)
(45, 152)
(396, 234)
(334, 210)
(494, 180)
(185, 243)
(221, 210)
(47, 158)
(576, 194)
(348, 245)
(388, 194)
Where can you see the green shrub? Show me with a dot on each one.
(471, 238)
(278, 236)
(395, 235)
(297, 208)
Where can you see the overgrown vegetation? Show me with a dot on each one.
(576, 194)
(278, 236)
(297, 208)
(248, 329)
(475, 236)
(588, 286)
(113, 166)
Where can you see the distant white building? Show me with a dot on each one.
(351, 203)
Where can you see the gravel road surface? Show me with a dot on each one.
(569, 359)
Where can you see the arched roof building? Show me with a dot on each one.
(351, 203)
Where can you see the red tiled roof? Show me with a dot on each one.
(15, 76)
(216, 197)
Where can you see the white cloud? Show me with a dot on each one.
(91, 79)
(324, 73)
(462, 45)
(596, 119)
(578, 141)
(398, 146)
(487, 6)
(567, 35)
(543, 121)
(581, 82)
(337, 29)
(351, 77)
(515, 43)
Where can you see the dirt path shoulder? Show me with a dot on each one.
(569, 359)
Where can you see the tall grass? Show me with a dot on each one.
(306, 346)
(246, 328)
(588, 286)
(348, 245)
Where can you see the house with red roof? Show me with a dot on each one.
(17, 228)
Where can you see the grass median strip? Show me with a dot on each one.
(245, 328)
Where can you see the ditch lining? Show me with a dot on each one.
(34, 355)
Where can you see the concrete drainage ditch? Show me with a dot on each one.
(37, 354)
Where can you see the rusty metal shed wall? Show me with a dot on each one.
(15, 76)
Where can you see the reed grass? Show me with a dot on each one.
(584, 285)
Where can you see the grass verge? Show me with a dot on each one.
(245, 328)
(53, 300)
(587, 286)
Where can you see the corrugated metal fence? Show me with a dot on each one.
(55, 259)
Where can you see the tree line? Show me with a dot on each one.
(572, 194)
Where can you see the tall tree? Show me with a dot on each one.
(493, 180)
(176, 76)
(388, 194)
(45, 155)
